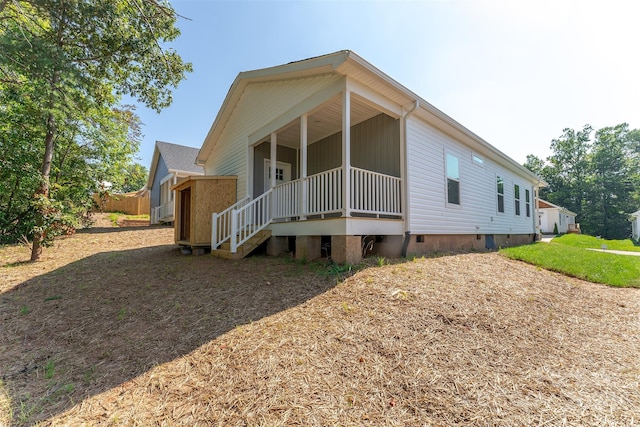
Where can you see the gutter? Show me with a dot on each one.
(407, 231)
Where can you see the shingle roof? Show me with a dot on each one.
(179, 157)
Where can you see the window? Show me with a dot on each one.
(453, 180)
(516, 196)
(527, 202)
(500, 190)
(477, 159)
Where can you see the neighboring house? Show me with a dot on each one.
(170, 164)
(332, 156)
(550, 215)
(635, 226)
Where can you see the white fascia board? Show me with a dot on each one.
(181, 173)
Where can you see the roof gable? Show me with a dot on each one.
(349, 64)
(176, 158)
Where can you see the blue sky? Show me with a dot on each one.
(514, 72)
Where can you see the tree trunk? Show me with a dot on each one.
(40, 234)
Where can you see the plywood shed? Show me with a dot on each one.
(197, 198)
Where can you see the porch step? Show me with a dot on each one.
(243, 250)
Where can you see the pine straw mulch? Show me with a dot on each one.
(142, 335)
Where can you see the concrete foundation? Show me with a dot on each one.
(308, 247)
(346, 249)
(277, 245)
(388, 247)
(464, 242)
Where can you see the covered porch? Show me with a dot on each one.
(335, 169)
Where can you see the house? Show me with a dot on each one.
(551, 215)
(635, 226)
(332, 157)
(170, 164)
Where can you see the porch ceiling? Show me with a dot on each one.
(325, 121)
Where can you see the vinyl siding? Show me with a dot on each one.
(260, 104)
(375, 146)
(262, 152)
(478, 212)
(161, 172)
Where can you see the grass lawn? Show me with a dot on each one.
(574, 260)
(584, 241)
(114, 217)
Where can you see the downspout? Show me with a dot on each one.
(405, 184)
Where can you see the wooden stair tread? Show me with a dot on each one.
(244, 249)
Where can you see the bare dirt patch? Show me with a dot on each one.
(118, 327)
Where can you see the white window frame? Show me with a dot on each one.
(499, 180)
(527, 202)
(447, 178)
(516, 200)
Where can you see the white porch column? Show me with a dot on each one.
(272, 162)
(303, 166)
(346, 153)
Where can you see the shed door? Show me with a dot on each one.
(185, 214)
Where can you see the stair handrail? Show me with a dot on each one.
(250, 219)
(221, 222)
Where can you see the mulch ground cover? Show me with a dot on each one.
(116, 326)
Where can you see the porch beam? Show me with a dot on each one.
(346, 152)
(374, 99)
(303, 166)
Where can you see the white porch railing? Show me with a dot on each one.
(324, 192)
(162, 212)
(286, 200)
(221, 223)
(375, 193)
(371, 193)
(250, 219)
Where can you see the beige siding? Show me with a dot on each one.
(261, 103)
(477, 212)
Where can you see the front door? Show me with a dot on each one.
(283, 173)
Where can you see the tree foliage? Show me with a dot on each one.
(64, 66)
(596, 177)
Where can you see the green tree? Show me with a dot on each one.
(611, 183)
(568, 169)
(80, 57)
(599, 180)
(134, 178)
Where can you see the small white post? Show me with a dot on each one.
(234, 231)
(214, 231)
